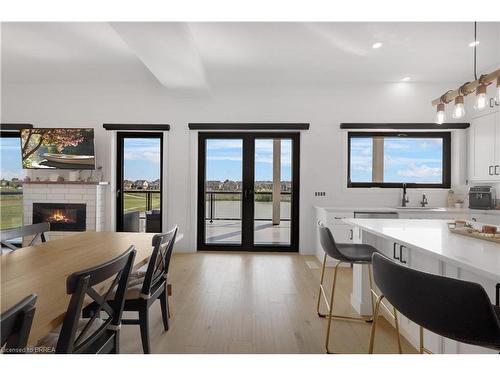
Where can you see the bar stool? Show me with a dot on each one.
(352, 254)
(456, 309)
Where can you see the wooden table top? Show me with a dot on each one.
(43, 269)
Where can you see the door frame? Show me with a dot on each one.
(120, 136)
(248, 179)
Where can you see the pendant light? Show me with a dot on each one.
(459, 109)
(481, 97)
(440, 115)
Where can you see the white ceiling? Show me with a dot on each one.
(207, 55)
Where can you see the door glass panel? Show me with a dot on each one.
(273, 191)
(141, 185)
(223, 191)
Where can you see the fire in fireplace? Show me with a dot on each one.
(61, 216)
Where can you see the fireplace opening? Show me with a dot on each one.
(61, 216)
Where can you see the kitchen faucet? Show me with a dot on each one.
(424, 202)
(405, 197)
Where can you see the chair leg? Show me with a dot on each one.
(330, 312)
(372, 292)
(374, 326)
(144, 326)
(421, 348)
(164, 309)
(396, 324)
(320, 285)
(116, 343)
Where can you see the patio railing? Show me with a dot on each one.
(212, 197)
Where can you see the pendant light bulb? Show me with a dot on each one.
(440, 115)
(481, 97)
(498, 89)
(459, 109)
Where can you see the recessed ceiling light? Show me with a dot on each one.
(405, 79)
(472, 44)
(377, 45)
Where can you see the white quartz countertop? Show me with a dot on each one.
(433, 238)
(410, 209)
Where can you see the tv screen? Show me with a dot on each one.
(53, 148)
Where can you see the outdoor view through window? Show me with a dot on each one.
(11, 176)
(396, 160)
(224, 191)
(141, 184)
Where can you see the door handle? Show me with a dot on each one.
(496, 169)
(351, 234)
(247, 193)
(401, 254)
(394, 251)
(118, 193)
(489, 170)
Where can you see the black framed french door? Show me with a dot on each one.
(248, 191)
(139, 182)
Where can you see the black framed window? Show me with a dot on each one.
(391, 159)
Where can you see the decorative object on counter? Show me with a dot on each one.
(74, 175)
(487, 232)
(459, 203)
(98, 176)
(60, 179)
(451, 198)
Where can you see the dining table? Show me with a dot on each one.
(43, 268)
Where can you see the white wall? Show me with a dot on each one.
(323, 155)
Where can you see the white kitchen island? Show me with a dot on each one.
(426, 245)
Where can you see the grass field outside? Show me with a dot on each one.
(11, 210)
(137, 201)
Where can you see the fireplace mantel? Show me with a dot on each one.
(65, 183)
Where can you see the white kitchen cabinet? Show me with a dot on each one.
(485, 148)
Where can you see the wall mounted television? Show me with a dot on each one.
(58, 148)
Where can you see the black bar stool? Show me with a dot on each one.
(352, 254)
(456, 309)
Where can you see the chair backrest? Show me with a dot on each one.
(457, 309)
(75, 338)
(328, 243)
(159, 262)
(15, 325)
(36, 230)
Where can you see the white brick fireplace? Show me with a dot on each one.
(92, 194)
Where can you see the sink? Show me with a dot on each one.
(421, 208)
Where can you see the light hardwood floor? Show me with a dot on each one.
(254, 303)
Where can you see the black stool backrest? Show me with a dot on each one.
(457, 309)
(328, 243)
(15, 325)
(163, 245)
(75, 339)
(35, 230)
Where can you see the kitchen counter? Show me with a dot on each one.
(430, 210)
(433, 238)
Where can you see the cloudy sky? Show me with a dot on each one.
(224, 159)
(142, 159)
(10, 158)
(405, 160)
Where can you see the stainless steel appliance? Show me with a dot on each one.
(375, 215)
(482, 197)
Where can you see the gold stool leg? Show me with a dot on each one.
(421, 349)
(330, 312)
(374, 325)
(372, 292)
(396, 323)
(320, 292)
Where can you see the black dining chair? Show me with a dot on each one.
(149, 284)
(35, 230)
(99, 333)
(349, 253)
(15, 325)
(456, 309)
